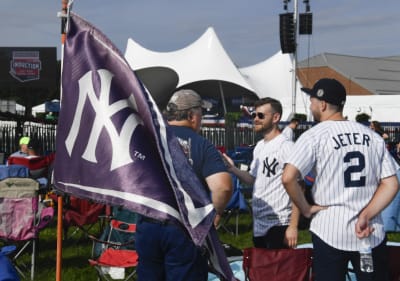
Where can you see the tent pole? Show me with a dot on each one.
(221, 90)
(64, 7)
(294, 78)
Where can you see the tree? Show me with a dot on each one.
(363, 118)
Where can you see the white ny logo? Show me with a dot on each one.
(104, 112)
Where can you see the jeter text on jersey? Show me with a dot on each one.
(342, 140)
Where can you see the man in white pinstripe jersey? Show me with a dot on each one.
(273, 225)
(355, 180)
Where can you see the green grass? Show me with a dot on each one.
(77, 250)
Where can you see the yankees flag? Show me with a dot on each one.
(114, 147)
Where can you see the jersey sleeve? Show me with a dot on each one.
(286, 150)
(254, 163)
(389, 165)
(302, 155)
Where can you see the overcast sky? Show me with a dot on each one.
(248, 29)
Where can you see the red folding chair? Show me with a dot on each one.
(277, 265)
(81, 213)
(113, 254)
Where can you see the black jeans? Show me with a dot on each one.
(331, 264)
(274, 239)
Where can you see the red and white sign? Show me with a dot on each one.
(25, 65)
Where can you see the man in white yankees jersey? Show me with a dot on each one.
(274, 225)
(355, 180)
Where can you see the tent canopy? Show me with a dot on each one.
(203, 65)
(273, 78)
(383, 108)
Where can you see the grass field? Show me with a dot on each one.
(77, 250)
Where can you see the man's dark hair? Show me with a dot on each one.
(35, 145)
(275, 104)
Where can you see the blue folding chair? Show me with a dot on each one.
(7, 269)
(13, 171)
(237, 205)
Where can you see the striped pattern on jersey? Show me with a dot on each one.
(271, 203)
(348, 159)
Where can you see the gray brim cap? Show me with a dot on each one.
(186, 99)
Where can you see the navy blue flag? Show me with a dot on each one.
(114, 147)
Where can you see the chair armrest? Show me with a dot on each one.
(111, 243)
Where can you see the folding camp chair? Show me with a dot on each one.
(21, 218)
(235, 207)
(13, 171)
(39, 167)
(7, 270)
(113, 254)
(82, 214)
(277, 264)
(242, 156)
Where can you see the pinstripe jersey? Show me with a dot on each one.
(271, 203)
(349, 160)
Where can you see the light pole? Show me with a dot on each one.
(288, 36)
(294, 58)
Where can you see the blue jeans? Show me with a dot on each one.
(331, 264)
(167, 253)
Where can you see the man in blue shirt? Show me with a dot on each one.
(165, 250)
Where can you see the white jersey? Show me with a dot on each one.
(288, 133)
(271, 203)
(348, 160)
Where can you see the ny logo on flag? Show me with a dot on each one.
(113, 145)
(104, 111)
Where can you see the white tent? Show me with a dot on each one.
(203, 66)
(383, 108)
(273, 78)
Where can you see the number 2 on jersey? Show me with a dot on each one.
(354, 168)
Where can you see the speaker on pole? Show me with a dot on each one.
(305, 23)
(287, 33)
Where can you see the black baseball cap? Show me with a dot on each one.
(329, 90)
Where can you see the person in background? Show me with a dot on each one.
(37, 163)
(288, 131)
(166, 251)
(34, 148)
(355, 179)
(23, 148)
(376, 126)
(275, 225)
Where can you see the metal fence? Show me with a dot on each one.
(227, 137)
(232, 137)
(11, 131)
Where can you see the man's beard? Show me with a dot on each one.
(262, 128)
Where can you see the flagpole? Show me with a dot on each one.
(64, 6)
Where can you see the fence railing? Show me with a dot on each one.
(231, 137)
(11, 131)
(228, 137)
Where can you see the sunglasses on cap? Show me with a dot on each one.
(260, 115)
